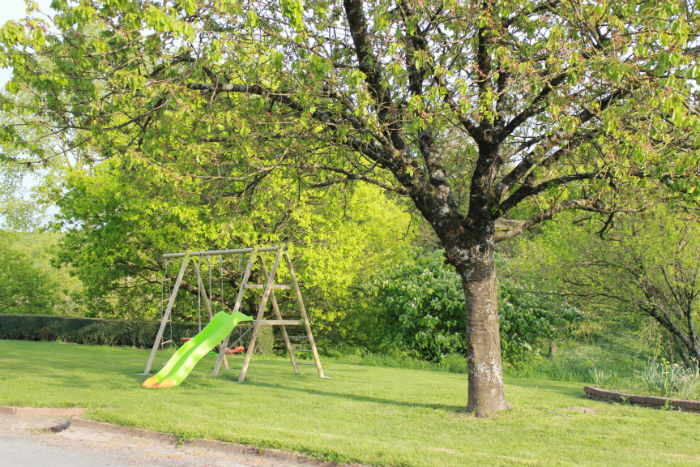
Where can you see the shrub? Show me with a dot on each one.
(88, 330)
(531, 320)
(265, 342)
(418, 308)
(670, 379)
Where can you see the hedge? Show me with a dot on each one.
(89, 330)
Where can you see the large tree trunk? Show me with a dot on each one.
(478, 275)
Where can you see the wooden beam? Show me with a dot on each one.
(261, 311)
(304, 316)
(281, 322)
(166, 315)
(274, 286)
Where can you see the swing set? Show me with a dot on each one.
(220, 327)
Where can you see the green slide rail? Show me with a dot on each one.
(181, 364)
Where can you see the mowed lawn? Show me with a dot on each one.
(370, 415)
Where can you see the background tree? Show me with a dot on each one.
(25, 287)
(646, 265)
(118, 222)
(557, 105)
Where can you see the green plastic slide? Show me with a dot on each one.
(181, 364)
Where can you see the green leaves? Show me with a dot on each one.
(25, 287)
(294, 10)
(420, 306)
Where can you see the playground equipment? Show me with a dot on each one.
(220, 327)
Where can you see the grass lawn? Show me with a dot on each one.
(371, 415)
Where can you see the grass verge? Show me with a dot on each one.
(365, 414)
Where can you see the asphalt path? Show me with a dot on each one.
(54, 442)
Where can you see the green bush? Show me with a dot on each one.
(88, 330)
(418, 308)
(531, 320)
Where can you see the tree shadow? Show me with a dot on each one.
(360, 398)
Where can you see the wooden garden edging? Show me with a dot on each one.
(593, 392)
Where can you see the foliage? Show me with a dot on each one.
(17, 213)
(417, 308)
(639, 275)
(119, 223)
(25, 287)
(670, 379)
(532, 320)
(39, 248)
(88, 331)
(409, 416)
(264, 343)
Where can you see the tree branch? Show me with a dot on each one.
(525, 191)
(510, 228)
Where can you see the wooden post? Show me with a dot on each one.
(236, 307)
(304, 316)
(261, 311)
(168, 310)
(278, 314)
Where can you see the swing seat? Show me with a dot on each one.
(185, 339)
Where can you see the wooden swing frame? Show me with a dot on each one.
(268, 294)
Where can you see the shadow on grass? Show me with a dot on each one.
(548, 386)
(358, 397)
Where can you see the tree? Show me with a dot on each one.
(647, 265)
(555, 105)
(118, 223)
(17, 212)
(24, 286)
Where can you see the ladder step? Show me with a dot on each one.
(304, 363)
(298, 337)
(273, 286)
(301, 350)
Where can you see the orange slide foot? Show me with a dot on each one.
(151, 382)
(167, 383)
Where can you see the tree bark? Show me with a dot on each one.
(478, 274)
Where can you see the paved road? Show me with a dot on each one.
(29, 442)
